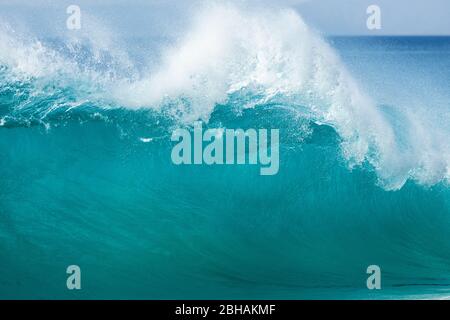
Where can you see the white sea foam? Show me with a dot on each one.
(146, 140)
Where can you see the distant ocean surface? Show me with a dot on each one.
(86, 176)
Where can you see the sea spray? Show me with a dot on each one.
(363, 164)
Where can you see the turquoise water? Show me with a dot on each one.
(80, 184)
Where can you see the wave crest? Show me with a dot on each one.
(260, 57)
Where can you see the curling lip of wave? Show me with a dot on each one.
(271, 56)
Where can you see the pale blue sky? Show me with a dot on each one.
(144, 17)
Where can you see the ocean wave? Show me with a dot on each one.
(228, 57)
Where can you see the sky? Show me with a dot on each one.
(155, 17)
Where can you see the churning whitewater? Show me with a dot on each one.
(85, 134)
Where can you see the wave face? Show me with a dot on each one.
(87, 178)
